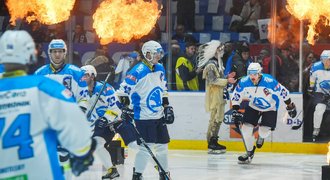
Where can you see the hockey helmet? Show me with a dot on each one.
(153, 48)
(325, 55)
(56, 44)
(89, 69)
(17, 46)
(254, 68)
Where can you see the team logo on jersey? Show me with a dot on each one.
(261, 103)
(325, 85)
(153, 99)
(67, 82)
(266, 91)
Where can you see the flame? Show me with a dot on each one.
(286, 29)
(45, 11)
(328, 154)
(121, 21)
(311, 11)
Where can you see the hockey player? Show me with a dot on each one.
(35, 113)
(209, 57)
(263, 92)
(67, 74)
(71, 77)
(145, 86)
(320, 87)
(106, 110)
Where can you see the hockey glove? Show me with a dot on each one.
(291, 108)
(237, 117)
(101, 122)
(80, 164)
(127, 114)
(168, 115)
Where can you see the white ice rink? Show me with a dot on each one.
(198, 165)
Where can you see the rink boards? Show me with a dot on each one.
(191, 122)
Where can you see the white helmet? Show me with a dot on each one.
(56, 44)
(325, 55)
(17, 46)
(89, 69)
(254, 68)
(153, 48)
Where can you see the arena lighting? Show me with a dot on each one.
(121, 21)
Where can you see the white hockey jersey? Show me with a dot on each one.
(320, 78)
(108, 104)
(264, 96)
(35, 114)
(71, 77)
(146, 86)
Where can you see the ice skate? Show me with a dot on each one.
(111, 174)
(316, 132)
(136, 175)
(260, 142)
(214, 147)
(246, 158)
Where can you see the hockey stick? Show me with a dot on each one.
(297, 126)
(149, 150)
(98, 96)
(240, 131)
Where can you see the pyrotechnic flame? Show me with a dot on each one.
(45, 11)
(312, 11)
(121, 21)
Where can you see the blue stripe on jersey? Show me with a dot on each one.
(137, 107)
(50, 138)
(277, 101)
(46, 85)
(73, 70)
(2, 68)
(140, 70)
(317, 66)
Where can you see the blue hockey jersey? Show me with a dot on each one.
(146, 86)
(71, 77)
(35, 114)
(108, 104)
(264, 96)
(320, 78)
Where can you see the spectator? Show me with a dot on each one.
(290, 70)
(181, 36)
(36, 32)
(241, 61)
(186, 73)
(236, 9)
(79, 35)
(186, 14)
(41, 59)
(267, 65)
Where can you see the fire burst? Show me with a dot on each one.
(45, 11)
(312, 11)
(121, 21)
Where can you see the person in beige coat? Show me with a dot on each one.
(210, 57)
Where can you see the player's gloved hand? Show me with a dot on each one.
(127, 114)
(168, 115)
(237, 117)
(291, 108)
(101, 122)
(80, 164)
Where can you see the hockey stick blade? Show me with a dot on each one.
(298, 126)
